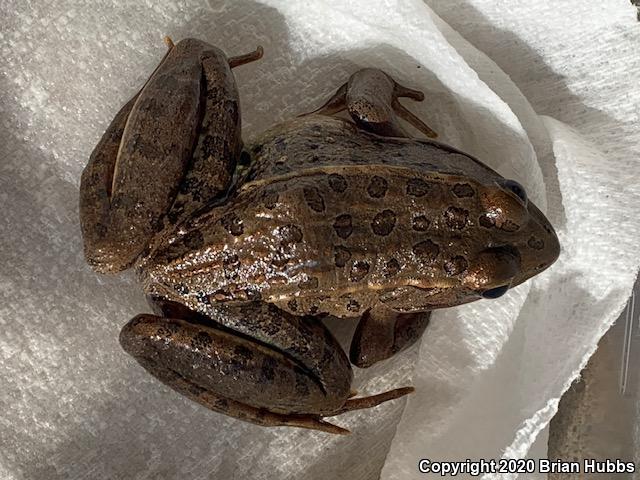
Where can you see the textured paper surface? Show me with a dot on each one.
(488, 375)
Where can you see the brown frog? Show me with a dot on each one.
(331, 217)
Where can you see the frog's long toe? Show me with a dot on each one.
(409, 117)
(247, 57)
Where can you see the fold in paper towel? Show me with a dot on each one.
(488, 375)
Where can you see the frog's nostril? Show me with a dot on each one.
(516, 188)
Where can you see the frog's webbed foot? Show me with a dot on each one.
(275, 369)
(382, 333)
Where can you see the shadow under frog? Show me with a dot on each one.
(332, 217)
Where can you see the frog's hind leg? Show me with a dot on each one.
(382, 333)
(233, 408)
(218, 141)
(132, 176)
(271, 369)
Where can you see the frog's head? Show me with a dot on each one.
(519, 242)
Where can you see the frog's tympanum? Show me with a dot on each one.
(329, 217)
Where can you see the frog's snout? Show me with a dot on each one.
(520, 225)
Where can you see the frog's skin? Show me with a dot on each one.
(329, 219)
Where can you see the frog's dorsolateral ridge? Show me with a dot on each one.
(331, 217)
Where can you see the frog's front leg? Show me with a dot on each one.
(185, 118)
(371, 98)
(382, 333)
(290, 371)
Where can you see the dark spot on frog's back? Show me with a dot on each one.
(313, 198)
(462, 190)
(426, 250)
(391, 268)
(456, 218)
(232, 224)
(455, 265)
(416, 187)
(342, 225)
(359, 270)
(341, 256)
(377, 187)
(383, 223)
(337, 183)
(290, 234)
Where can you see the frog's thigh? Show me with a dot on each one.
(242, 376)
(381, 333)
(125, 191)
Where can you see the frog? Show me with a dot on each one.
(331, 216)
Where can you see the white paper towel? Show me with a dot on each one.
(488, 375)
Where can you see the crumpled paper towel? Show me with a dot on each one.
(488, 375)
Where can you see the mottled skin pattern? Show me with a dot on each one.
(330, 218)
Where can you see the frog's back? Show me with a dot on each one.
(338, 230)
(334, 233)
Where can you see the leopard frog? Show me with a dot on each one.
(333, 216)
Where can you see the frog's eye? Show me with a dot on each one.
(516, 188)
(495, 292)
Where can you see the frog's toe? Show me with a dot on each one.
(402, 91)
(409, 117)
(247, 57)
